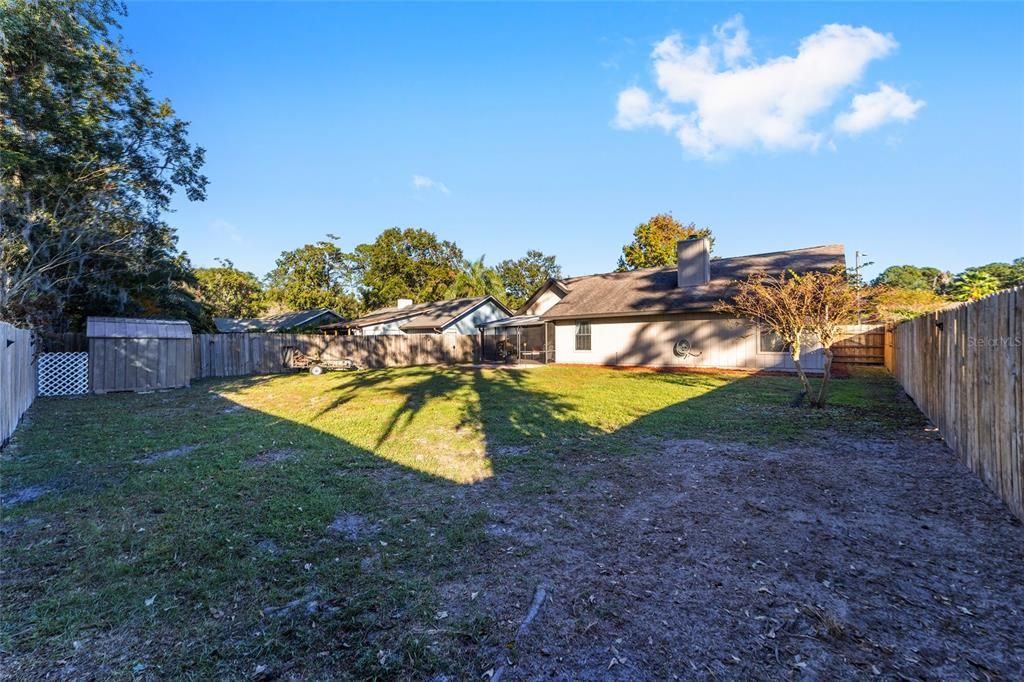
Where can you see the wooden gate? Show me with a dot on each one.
(861, 344)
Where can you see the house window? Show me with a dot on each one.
(770, 342)
(582, 336)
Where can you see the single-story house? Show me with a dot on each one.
(656, 317)
(298, 321)
(457, 316)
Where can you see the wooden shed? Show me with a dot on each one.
(138, 355)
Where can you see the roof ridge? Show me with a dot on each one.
(418, 310)
(658, 268)
(773, 253)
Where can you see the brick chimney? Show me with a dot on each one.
(693, 261)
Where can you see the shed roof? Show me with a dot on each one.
(273, 323)
(423, 316)
(136, 328)
(657, 291)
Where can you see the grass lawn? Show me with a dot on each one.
(395, 523)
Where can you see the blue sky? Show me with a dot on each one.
(505, 127)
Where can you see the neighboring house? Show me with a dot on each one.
(298, 321)
(657, 317)
(457, 316)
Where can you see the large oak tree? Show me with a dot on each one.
(404, 263)
(230, 292)
(312, 276)
(523, 276)
(654, 242)
(90, 163)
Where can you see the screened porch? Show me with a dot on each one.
(518, 340)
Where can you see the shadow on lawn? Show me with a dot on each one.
(301, 496)
(504, 412)
(453, 415)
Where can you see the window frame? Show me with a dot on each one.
(589, 335)
(761, 331)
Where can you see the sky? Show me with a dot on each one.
(894, 129)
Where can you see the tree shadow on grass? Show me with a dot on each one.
(187, 528)
(446, 411)
(477, 417)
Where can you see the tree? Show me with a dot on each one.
(312, 276)
(410, 263)
(523, 276)
(230, 292)
(893, 304)
(1008, 274)
(654, 242)
(780, 304)
(972, 284)
(832, 303)
(798, 308)
(91, 161)
(912, 277)
(476, 279)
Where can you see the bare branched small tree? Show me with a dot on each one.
(779, 303)
(833, 302)
(800, 309)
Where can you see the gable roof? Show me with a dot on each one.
(653, 291)
(136, 328)
(272, 323)
(424, 316)
(552, 283)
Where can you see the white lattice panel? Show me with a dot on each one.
(63, 373)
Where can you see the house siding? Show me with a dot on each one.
(543, 303)
(721, 341)
(392, 328)
(468, 324)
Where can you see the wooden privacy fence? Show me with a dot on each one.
(68, 342)
(227, 355)
(17, 377)
(962, 367)
(861, 344)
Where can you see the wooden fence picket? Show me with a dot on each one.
(963, 368)
(17, 377)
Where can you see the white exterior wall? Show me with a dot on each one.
(648, 341)
(468, 324)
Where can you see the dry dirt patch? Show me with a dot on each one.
(271, 456)
(726, 561)
(27, 494)
(353, 527)
(173, 453)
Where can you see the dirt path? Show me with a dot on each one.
(879, 558)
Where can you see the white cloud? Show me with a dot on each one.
(733, 37)
(423, 182)
(715, 97)
(635, 110)
(877, 108)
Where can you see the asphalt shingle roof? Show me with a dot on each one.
(282, 321)
(428, 316)
(656, 291)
